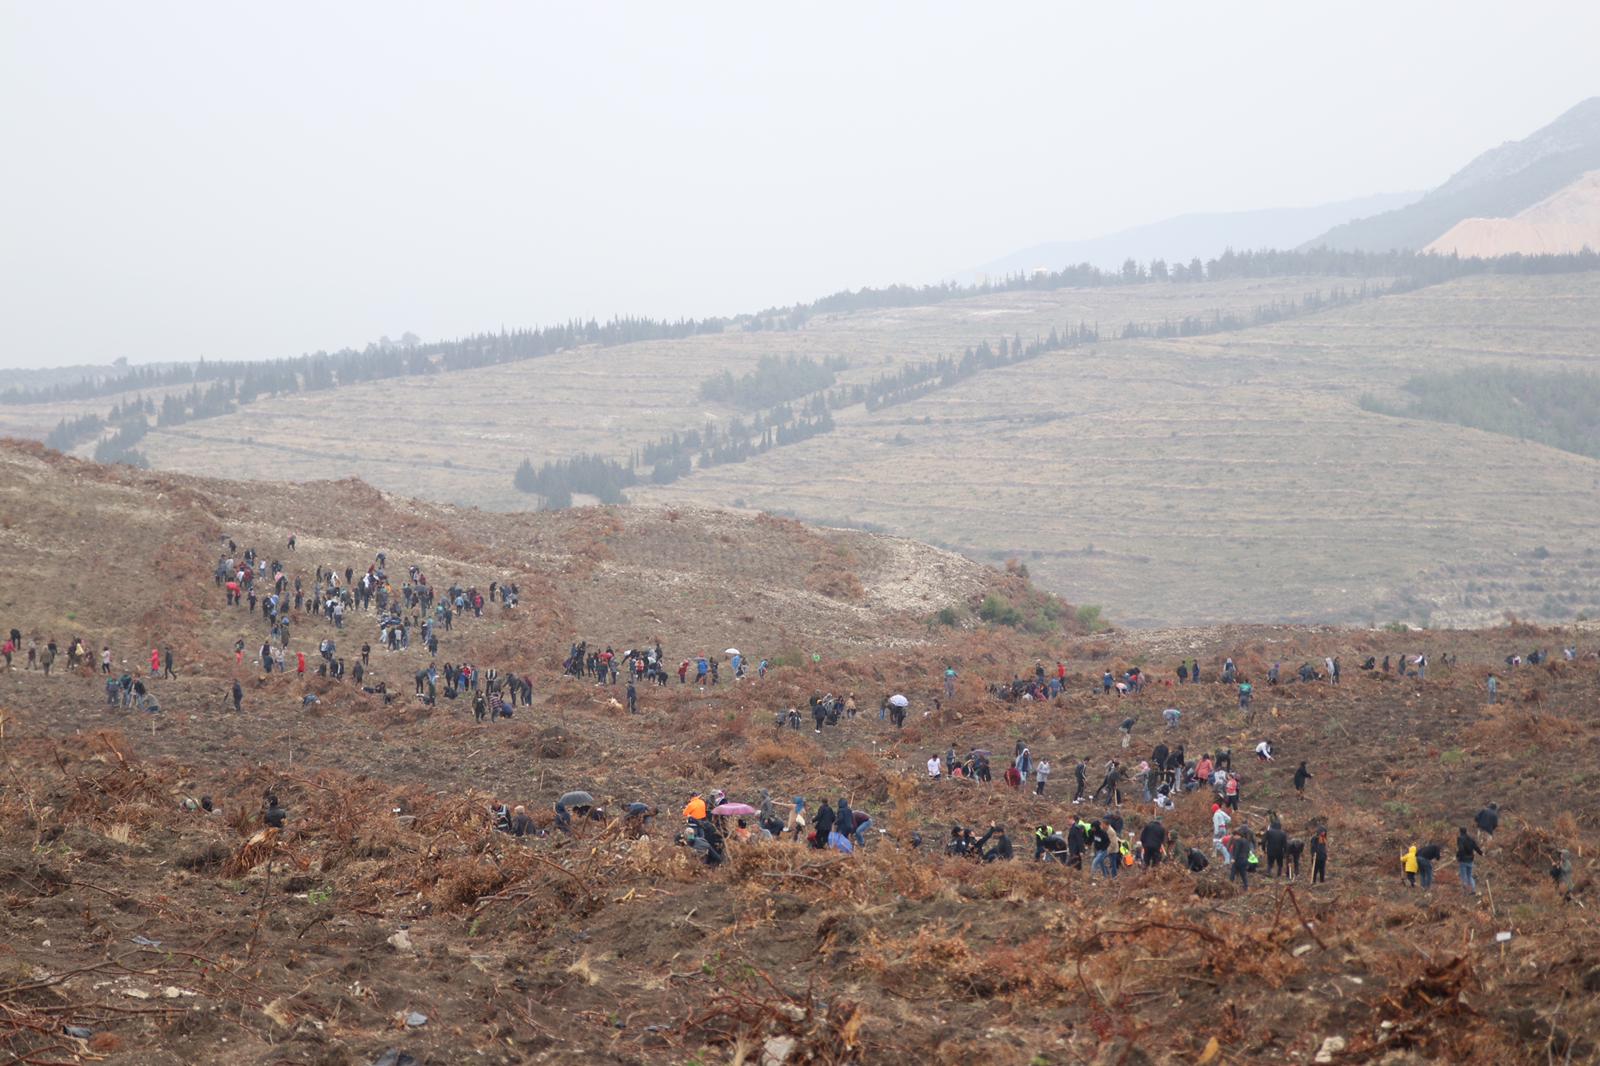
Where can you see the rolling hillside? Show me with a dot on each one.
(155, 914)
(1238, 466)
(414, 438)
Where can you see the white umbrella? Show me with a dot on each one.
(898, 700)
(731, 651)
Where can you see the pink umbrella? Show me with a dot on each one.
(734, 809)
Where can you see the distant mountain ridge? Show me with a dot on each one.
(1499, 183)
(1184, 237)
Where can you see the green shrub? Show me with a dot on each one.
(998, 612)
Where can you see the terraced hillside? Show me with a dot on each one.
(459, 437)
(1238, 467)
(1233, 475)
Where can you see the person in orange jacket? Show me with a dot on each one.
(696, 807)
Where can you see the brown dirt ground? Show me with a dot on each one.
(602, 948)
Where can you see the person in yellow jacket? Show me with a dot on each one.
(696, 808)
(1408, 866)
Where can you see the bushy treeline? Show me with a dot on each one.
(1278, 310)
(1559, 408)
(674, 456)
(324, 370)
(71, 432)
(215, 400)
(557, 481)
(131, 421)
(918, 379)
(773, 381)
(1416, 267)
(122, 446)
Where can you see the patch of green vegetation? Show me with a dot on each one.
(996, 611)
(1560, 408)
(1089, 617)
(1039, 613)
(1453, 757)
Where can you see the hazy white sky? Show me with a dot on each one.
(198, 179)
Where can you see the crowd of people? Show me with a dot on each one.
(406, 609)
(407, 612)
(649, 666)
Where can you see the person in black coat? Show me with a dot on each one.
(1426, 857)
(1152, 838)
(1002, 845)
(1301, 776)
(1319, 857)
(1296, 848)
(1197, 860)
(1466, 850)
(716, 851)
(1111, 786)
(1099, 842)
(823, 825)
(1276, 842)
(1241, 861)
(1174, 768)
(1077, 841)
(844, 819)
(1488, 819)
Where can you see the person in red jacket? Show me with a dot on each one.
(300, 663)
(155, 661)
